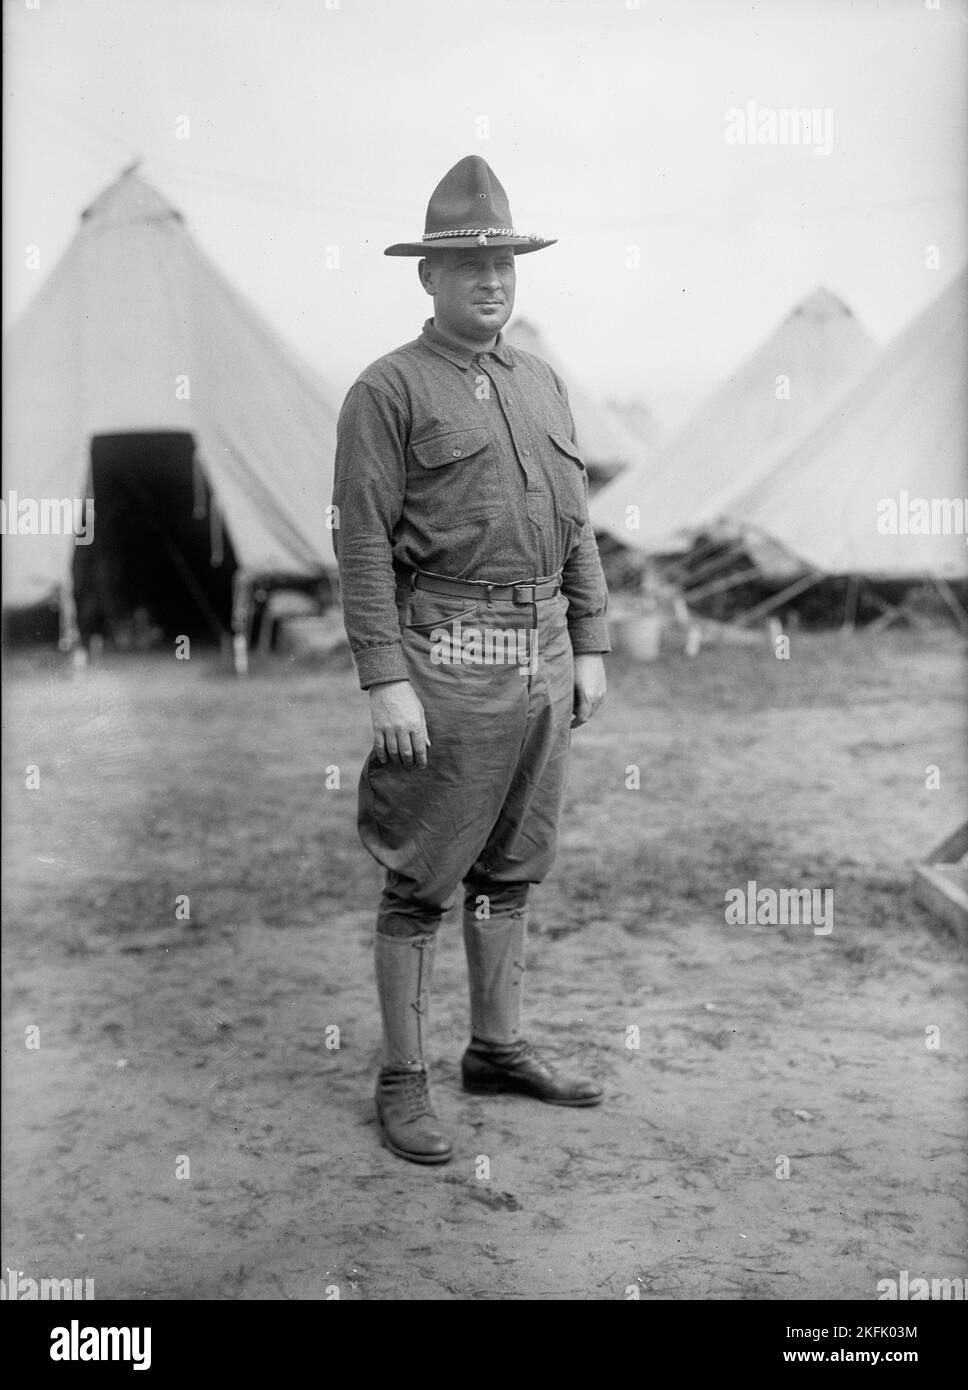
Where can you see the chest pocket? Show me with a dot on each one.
(570, 478)
(455, 476)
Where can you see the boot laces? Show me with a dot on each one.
(413, 1091)
(530, 1053)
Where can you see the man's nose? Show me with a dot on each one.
(489, 278)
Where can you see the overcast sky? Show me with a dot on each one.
(314, 123)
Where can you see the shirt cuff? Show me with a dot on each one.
(589, 635)
(376, 665)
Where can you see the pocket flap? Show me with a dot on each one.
(567, 447)
(450, 448)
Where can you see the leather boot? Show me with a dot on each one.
(410, 1129)
(498, 1058)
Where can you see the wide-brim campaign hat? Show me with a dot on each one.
(469, 210)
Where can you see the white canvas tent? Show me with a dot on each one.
(135, 335)
(815, 354)
(607, 445)
(879, 487)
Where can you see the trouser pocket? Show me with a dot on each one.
(439, 619)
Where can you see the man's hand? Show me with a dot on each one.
(399, 725)
(589, 686)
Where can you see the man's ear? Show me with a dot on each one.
(425, 273)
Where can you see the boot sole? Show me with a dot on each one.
(501, 1088)
(412, 1157)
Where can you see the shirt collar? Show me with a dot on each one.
(432, 338)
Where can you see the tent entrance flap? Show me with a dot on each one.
(161, 563)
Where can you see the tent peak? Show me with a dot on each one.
(822, 304)
(130, 199)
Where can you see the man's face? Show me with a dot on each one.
(473, 291)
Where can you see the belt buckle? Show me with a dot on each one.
(516, 588)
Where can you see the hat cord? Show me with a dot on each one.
(474, 231)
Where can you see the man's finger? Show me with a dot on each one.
(379, 746)
(420, 743)
(404, 747)
(581, 712)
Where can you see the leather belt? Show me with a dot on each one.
(529, 591)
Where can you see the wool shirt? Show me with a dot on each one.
(463, 464)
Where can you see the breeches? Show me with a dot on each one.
(496, 681)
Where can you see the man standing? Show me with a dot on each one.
(474, 603)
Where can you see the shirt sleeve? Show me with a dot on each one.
(583, 584)
(582, 577)
(370, 483)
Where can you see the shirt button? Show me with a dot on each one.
(485, 357)
(456, 453)
(526, 453)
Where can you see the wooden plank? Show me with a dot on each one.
(943, 898)
(952, 849)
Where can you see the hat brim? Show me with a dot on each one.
(520, 245)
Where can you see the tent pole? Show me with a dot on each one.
(713, 566)
(761, 610)
(68, 635)
(697, 553)
(850, 603)
(890, 614)
(216, 536)
(721, 585)
(199, 491)
(241, 618)
(948, 595)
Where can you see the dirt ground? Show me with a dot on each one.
(210, 1040)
